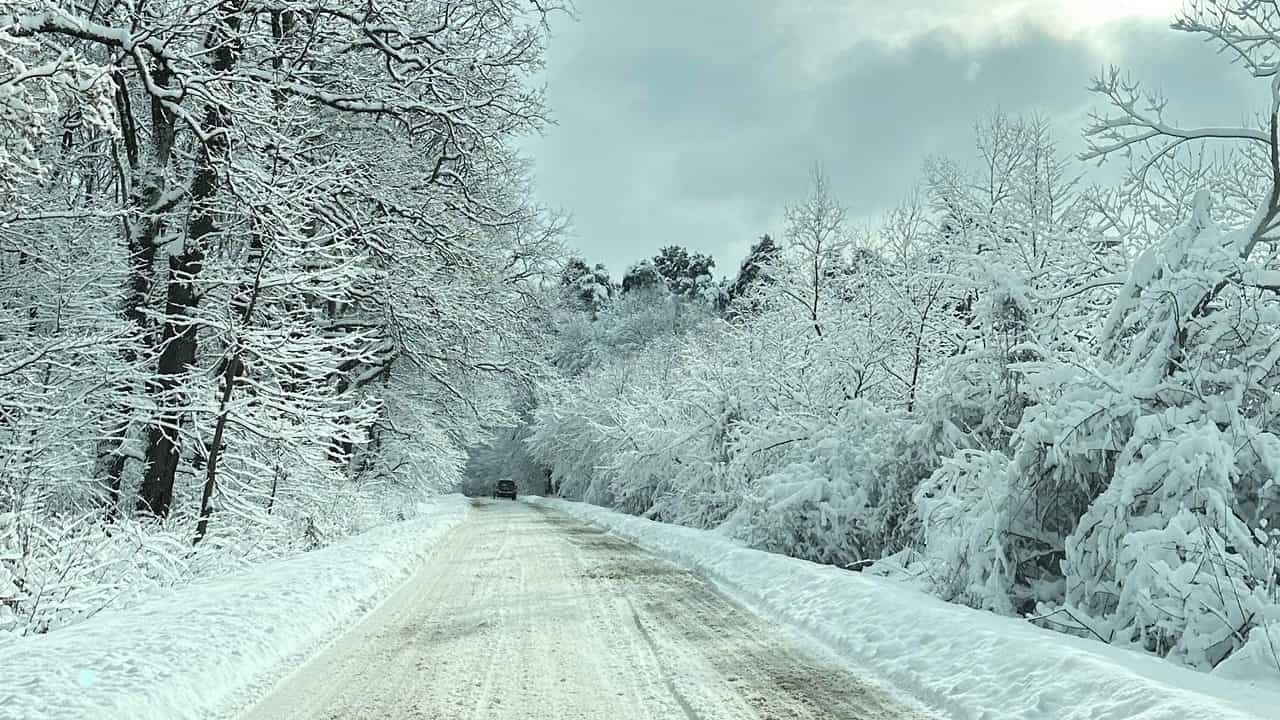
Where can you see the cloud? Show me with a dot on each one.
(822, 33)
(694, 123)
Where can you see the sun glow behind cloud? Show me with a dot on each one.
(710, 111)
(825, 32)
(1087, 14)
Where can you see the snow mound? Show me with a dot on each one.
(205, 649)
(967, 663)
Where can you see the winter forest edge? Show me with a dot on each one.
(271, 276)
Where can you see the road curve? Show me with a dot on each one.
(525, 614)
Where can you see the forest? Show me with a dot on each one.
(1020, 391)
(271, 273)
(266, 271)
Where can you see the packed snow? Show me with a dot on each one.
(526, 614)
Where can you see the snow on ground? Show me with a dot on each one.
(211, 646)
(968, 663)
(526, 614)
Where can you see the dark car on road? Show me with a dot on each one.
(506, 488)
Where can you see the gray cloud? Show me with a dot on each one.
(695, 126)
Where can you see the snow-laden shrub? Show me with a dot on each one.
(1258, 660)
(60, 565)
(981, 531)
(993, 526)
(706, 486)
(825, 498)
(572, 435)
(760, 430)
(1161, 553)
(1148, 448)
(964, 509)
(574, 349)
(680, 419)
(707, 495)
(56, 570)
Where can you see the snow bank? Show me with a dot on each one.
(967, 663)
(204, 649)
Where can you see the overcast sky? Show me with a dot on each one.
(693, 122)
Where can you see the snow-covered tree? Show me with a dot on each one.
(753, 274)
(686, 274)
(1141, 471)
(265, 273)
(588, 288)
(643, 277)
(817, 238)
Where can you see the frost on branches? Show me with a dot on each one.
(266, 273)
(1179, 408)
(1019, 393)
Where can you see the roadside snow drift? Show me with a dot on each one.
(967, 663)
(202, 650)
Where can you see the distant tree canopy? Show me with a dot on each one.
(686, 273)
(643, 275)
(754, 268)
(589, 288)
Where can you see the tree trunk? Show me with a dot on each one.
(917, 356)
(142, 192)
(179, 343)
(229, 376)
(178, 338)
(243, 304)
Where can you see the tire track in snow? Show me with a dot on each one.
(525, 614)
(666, 679)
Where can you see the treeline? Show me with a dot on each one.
(1019, 392)
(266, 271)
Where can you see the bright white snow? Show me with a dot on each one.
(209, 647)
(525, 614)
(969, 663)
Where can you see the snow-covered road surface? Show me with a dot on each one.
(523, 612)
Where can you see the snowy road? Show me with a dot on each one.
(524, 613)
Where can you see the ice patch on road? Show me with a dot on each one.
(967, 663)
(194, 653)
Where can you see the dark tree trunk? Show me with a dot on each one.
(179, 343)
(917, 358)
(229, 376)
(178, 338)
(339, 448)
(242, 304)
(143, 192)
